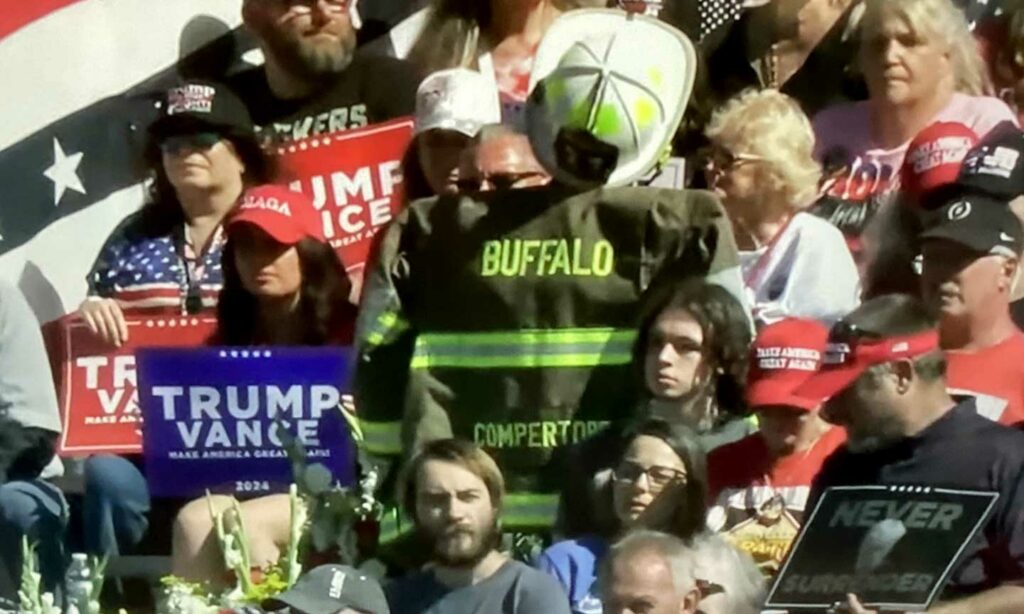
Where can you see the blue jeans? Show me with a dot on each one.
(116, 506)
(35, 509)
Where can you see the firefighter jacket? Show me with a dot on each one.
(508, 319)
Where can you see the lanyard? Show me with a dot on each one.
(191, 285)
(753, 277)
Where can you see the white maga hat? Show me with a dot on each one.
(609, 89)
(457, 99)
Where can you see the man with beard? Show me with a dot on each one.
(453, 492)
(884, 380)
(313, 82)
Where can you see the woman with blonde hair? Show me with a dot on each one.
(921, 65)
(760, 164)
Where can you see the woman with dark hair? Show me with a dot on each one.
(283, 285)
(166, 257)
(202, 153)
(691, 355)
(659, 483)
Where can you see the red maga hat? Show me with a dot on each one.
(784, 355)
(288, 217)
(934, 157)
(848, 356)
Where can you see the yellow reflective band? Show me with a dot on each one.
(382, 437)
(387, 324)
(393, 525)
(529, 510)
(583, 347)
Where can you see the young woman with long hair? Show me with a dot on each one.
(658, 483)
(283, 285)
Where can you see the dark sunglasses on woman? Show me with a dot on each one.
(193, 141)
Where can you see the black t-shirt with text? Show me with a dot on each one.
(961, 450)
(369, 91)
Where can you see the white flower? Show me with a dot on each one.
(317, 478)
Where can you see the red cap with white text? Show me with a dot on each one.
(934, 157)
(848, 356)
(288, 217)
(783, 356)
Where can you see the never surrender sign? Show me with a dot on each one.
(217, 418)
(96, 382)
(355, 181)
(893, 546)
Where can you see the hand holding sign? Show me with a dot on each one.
(892, 546)
(96, 384)
(851, 606)
(105, 319)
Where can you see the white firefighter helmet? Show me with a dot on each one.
(609, 89)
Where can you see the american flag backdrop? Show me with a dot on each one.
(81, 79)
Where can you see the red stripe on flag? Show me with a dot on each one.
(17, 14)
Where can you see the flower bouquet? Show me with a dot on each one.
(328, 523)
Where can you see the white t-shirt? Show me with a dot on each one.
(806, 272)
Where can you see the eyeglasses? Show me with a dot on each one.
(658, 476)
(196, 141)
(722, 159)
(498, 182)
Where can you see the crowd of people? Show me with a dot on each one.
(651, 385)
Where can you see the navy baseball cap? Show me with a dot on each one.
(329, 589)
(197, 106)
(995, 166)
(980, 222)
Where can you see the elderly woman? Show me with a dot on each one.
(760, 164)
(921, 65)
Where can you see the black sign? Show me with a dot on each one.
(892, 546)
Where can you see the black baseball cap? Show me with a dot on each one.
(328, 589)
(197, 106)
(980, 222)
(995, 166)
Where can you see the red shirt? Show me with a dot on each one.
(758, 504)
(994, 376)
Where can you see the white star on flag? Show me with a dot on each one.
(64, 172)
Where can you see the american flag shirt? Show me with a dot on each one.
(144, 271)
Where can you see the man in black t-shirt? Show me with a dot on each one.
(313, 82)
(884, 380)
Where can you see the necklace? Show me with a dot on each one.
(771, 67)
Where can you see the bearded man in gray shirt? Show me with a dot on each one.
(453, 492)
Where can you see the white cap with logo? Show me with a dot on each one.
(457, 99)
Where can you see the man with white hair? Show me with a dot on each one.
(728, 579)
(649, 572)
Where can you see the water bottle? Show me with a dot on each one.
(78, 583)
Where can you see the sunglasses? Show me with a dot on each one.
(195, 141)
(722, 159)
(498, 182)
